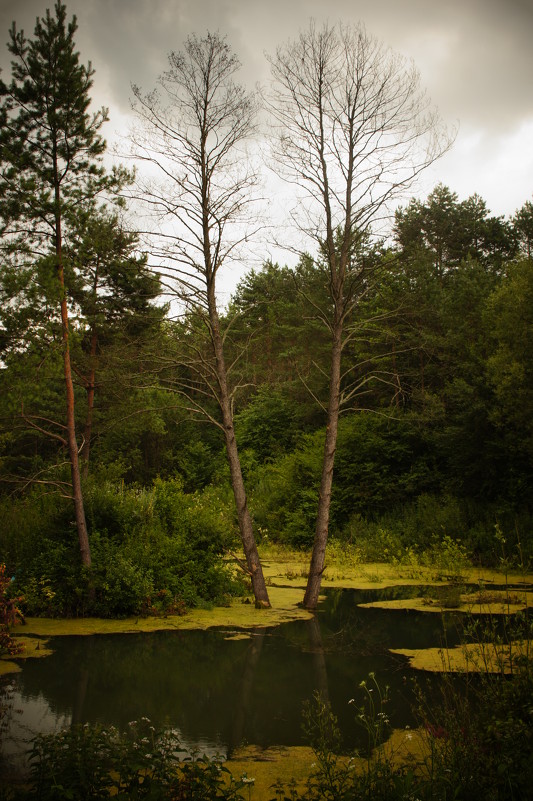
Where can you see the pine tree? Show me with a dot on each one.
(50, 165)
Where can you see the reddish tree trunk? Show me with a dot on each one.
(77, 496)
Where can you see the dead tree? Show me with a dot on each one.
(352, 130)
(193, 134)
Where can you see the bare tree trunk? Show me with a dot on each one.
(324, 500)
(237, 483)
(195, 137)
(87, 432)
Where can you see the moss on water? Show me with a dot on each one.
(471, 657)
(267, 766)
(495, 603)
(270, 765)
(286, 579)
(32, 647)
(238, 615)
(290, 570)
(8, 666)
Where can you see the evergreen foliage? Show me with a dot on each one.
(435, 436)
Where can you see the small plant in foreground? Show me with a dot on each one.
(372, 715)
(89, 762)
(337, 777)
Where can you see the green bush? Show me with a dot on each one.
(155, 551)
(89, 762)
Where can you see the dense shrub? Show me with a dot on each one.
(441, 529)
(153, 551)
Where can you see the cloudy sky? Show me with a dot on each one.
(475, 58)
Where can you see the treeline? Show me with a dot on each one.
(436, 436)
(435, 382)
(185, 424)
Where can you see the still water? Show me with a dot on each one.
(218, 691)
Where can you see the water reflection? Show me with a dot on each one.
(218, 691)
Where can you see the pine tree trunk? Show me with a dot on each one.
(324, 501)
(77, 497)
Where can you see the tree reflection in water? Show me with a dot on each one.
(219, 692)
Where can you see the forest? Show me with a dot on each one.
(150, 434)
(184, 467)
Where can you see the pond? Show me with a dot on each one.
(219, 688)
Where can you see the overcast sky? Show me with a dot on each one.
(475, 58)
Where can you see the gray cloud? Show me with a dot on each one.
(475, 58)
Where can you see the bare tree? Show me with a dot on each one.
(353, 130)
(193, 135)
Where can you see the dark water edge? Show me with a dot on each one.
(218, 692)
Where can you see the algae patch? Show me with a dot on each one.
(471, 658)
(293, 766)
(32, 647)
(497, 602)
(267, 766)
(238, 615)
